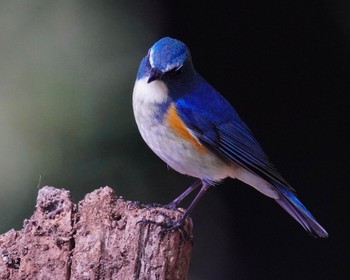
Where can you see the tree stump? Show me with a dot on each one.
(99, 238)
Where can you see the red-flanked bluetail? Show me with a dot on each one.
(192, 128)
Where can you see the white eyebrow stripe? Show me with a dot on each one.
(151, 61)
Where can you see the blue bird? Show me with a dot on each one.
(192, 128)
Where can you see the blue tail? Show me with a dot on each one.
(297, 210)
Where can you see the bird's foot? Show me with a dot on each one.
(172, 206)
(169, 225)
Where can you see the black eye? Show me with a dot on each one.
(179, 69)
(175, 71)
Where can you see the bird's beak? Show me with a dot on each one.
(155, 75)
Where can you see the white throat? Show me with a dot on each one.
(154, 92)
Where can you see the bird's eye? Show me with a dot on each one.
(179, 69)
(175, 71)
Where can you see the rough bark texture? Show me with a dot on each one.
(100, 238)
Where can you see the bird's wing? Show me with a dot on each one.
(218, 127)
(237, 143)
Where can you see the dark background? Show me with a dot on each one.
(284, 65)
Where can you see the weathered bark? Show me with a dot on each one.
(100, 238)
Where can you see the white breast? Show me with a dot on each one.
(176, 151)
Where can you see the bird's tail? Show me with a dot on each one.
(289, 202)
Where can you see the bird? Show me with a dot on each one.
(198, 133)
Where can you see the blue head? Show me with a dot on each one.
(167, 58)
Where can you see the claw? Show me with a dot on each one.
(176, 225)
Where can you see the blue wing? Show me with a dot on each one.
(217, 126)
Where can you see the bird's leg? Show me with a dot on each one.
(170, 224)
(173, 205)
(204, 188)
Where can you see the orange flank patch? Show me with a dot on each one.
(180, 128)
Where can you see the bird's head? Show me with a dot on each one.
(167, 58)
